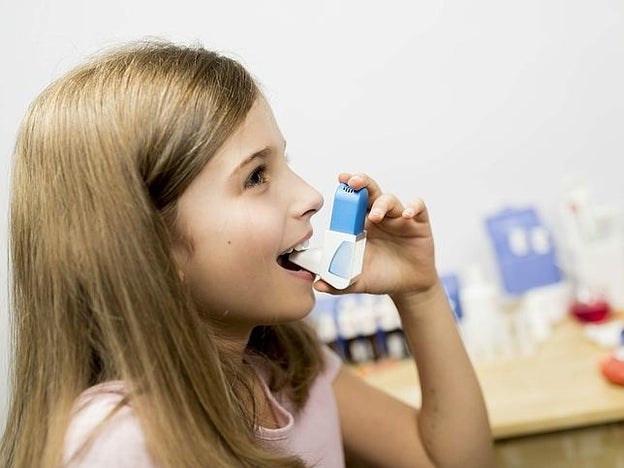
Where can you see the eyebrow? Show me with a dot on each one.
(263, 153)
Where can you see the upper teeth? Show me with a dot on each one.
(304, 245)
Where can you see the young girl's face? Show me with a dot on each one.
(244, 210)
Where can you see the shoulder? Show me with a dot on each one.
(105, 432)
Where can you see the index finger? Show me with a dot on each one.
(359, 181)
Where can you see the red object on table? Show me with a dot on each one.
(593, 311)
(613, 367)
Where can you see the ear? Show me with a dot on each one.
(181, 257)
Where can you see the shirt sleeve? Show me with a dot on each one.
(119, 442)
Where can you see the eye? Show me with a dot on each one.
(257, 177)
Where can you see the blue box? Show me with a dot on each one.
(524, 249)
(451, 286)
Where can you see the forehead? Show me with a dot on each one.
(258, 131)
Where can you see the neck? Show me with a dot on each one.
(233, 340)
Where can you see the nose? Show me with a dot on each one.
(308, 200)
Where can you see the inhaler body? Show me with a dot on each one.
(339, 261)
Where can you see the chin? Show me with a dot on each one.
(293, 314)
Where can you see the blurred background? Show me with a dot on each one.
(477, 107)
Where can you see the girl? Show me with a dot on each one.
(157, 322)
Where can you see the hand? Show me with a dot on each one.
(399, 256)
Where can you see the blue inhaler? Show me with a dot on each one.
(339, 260)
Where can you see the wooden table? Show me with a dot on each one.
(558, 387)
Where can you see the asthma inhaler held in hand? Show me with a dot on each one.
(339, 261)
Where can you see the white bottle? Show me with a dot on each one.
(484, 329)
(327, 331)
(358, 350)
(390, 324)
(367, 324)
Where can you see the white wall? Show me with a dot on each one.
(471, 105)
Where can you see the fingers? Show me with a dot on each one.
(381, 204)
(358, 181)
(324, 287)
(385, 205)
(416, 210)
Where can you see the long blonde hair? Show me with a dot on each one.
(101, 158)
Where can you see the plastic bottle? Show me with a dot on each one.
(484, 329)
(395, 345)
(327, 332)
(358, 349)
(367, 324)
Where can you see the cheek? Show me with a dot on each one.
(239, 250)
(219, 279)
(237, 246)
(263, 231)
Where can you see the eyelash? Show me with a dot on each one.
(257, 177)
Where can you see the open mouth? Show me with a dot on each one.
(283, 260)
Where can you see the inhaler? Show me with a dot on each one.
(339, 260)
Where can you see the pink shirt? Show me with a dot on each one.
(313, 433)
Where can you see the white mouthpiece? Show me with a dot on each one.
(309, 259)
